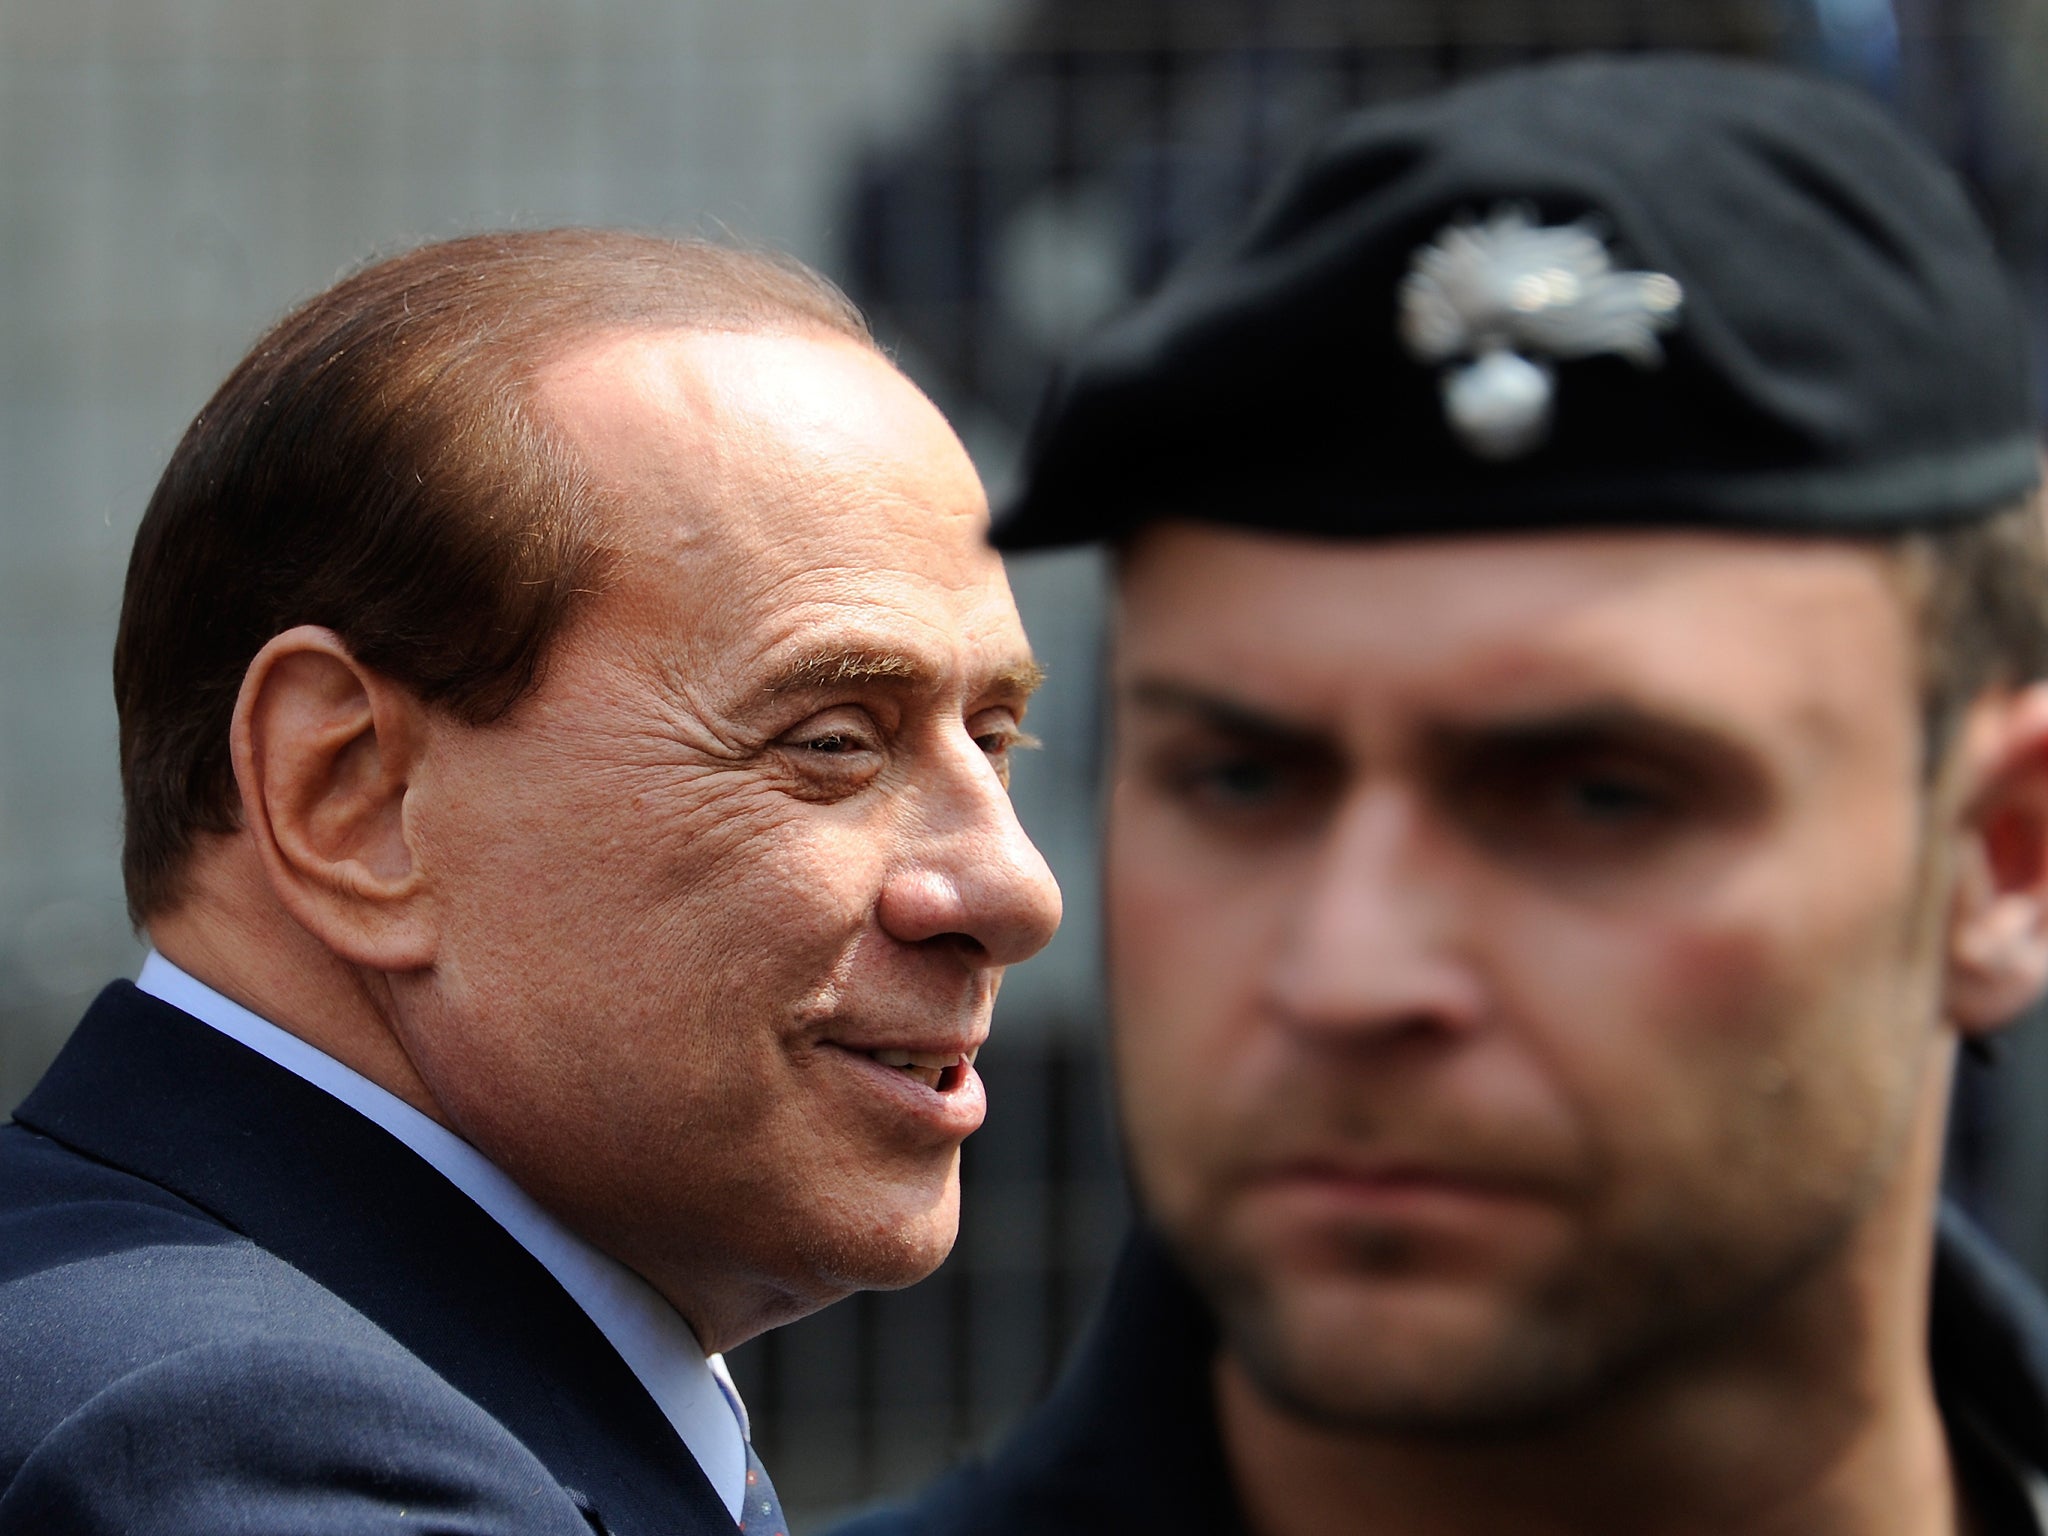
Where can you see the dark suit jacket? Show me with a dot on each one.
(1128, 1441)
(229, 1303)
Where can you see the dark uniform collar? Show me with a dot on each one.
(1988, 1337)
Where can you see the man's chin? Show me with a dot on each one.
(900, 1243)
(1410, 1357)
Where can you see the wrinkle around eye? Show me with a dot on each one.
(673, 728)
(833, 755)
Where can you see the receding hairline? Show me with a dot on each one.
(390, 418)
(552, 360)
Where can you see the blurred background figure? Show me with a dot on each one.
(989, 177)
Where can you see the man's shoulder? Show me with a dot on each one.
(160, 1372)
(103, 1272)
(58, 1205)
(96, 1261)
(286, 1429)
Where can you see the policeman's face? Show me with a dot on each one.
(727, 899)
(1521, 948)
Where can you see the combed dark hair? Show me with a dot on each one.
(374, 465)
(1982, 594)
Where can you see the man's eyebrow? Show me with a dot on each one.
(1603, 723)
(1216, 711)
(1599, 721)
(862, 664)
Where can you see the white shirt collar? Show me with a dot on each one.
(693, 1391)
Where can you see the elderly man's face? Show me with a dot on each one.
(1521, 953)
(724, 904)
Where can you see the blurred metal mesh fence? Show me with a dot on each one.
(1069, 167)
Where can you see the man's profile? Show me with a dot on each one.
(566, 697)
(1580, 772)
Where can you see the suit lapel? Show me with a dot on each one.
(148, 1089)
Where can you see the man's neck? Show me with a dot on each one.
(231, 935)
(1786, 1470)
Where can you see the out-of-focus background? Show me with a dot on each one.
(988, 177)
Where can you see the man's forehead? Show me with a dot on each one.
(1504, 572)
(608, 390)
(1499, 622)
(640, 406)
(734, 438)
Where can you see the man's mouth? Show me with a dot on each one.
(938, 1070)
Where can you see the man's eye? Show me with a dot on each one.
(833, 756)
(1614, 800)
(1575, 811)
(1244, 793)
(995, 746)
(1231, 782)
(1004, 740)
(998, 735)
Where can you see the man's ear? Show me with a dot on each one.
(1998, 919)
(324, 750)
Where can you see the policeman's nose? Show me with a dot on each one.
(1370, 945)
(971, 875)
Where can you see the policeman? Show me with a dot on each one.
(1581, 770)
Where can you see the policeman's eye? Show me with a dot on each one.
(1536, 801)
(1613, 798)
(1230, 783)
(1599, 796)
(1256, 789)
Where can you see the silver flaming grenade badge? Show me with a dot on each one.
(1504, 301)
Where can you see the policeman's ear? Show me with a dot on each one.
(324, 749)
(1998, 920)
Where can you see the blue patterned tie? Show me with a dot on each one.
(761, 1512)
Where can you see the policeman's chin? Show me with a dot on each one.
(1403, 1357)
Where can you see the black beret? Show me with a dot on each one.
(1612, 291)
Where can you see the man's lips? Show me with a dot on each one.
(939, 1062)
(937, 1070)
(931, 1083)
(1406, 1221)
(1391, 1187)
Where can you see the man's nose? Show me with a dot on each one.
(1374, 940)
(970, 873)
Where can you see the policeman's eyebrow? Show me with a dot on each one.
(1709, 759)
(857, 665)
(1217, 712)
(1604, 723)
(1545, 733)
